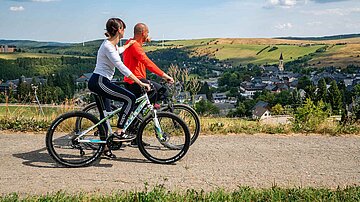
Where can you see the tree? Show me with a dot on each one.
(204, 107)
(296, 98)
(205, 89)
(303, 82)
(310, 92)
(283, 98)
(240, 111)
(277, 109)
(356, 90)
(335, 97)
(321, 93)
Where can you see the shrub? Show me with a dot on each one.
(273, 48)
(308, 117)
(22, 124)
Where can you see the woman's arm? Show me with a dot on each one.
(136, 80)
(124, 47)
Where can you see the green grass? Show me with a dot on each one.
(240, 52)
(243, 53)
(14, 56)
(30, 118)
(159, 193)
(32, 111)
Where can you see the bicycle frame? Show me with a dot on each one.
(144, 100)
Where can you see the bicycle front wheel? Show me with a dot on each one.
(189, 116)
(62, 143)
(168, 146)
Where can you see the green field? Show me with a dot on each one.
(14, 56)
(244, 51)
(240, 54)
(236, 51)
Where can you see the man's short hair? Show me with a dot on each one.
(139, 28)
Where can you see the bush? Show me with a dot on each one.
(22, 124)
(308, 117)
(273, 48)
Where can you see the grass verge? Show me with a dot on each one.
(159, 193)
(20, 118)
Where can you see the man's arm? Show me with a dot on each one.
(140, 55)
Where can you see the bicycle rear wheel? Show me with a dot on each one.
(174, 144)
(61, 140)
(93, 109)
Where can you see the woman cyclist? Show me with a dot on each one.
(108, 57)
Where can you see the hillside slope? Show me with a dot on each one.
(267, 51)
(340, 52)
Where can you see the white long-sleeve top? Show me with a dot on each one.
(108, 57)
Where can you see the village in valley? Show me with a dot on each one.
(274, 78)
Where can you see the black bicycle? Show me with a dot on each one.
(78, 138)
(185, 112)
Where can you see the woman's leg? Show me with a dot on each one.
(120, 94)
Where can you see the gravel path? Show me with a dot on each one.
(212, 162)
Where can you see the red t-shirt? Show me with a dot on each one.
(136, 60)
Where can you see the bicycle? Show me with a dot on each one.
(185, 112)
(78, 138)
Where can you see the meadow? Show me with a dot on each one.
(235, 51)
(14, 56)
(340, 52)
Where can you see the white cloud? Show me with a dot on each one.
(43, 1)
(334, 11)
(281, 3)
(316, 23)
(17, 8)
(284, 26)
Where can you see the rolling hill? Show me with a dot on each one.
(340, 50)
(339, 53)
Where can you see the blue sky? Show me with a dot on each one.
(83, 20)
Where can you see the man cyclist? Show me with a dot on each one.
(137, 61)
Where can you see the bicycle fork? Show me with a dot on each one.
(158, 131)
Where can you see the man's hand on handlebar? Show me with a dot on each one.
(168, 79)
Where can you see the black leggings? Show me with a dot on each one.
(104, 88)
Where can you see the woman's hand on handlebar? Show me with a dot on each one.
(145, 85)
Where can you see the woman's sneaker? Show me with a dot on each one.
(123, 137)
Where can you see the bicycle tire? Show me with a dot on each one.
(154, 145)
(194, 130)
(66, 122)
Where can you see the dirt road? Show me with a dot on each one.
(212, 162)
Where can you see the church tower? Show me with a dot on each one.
(281, 63)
